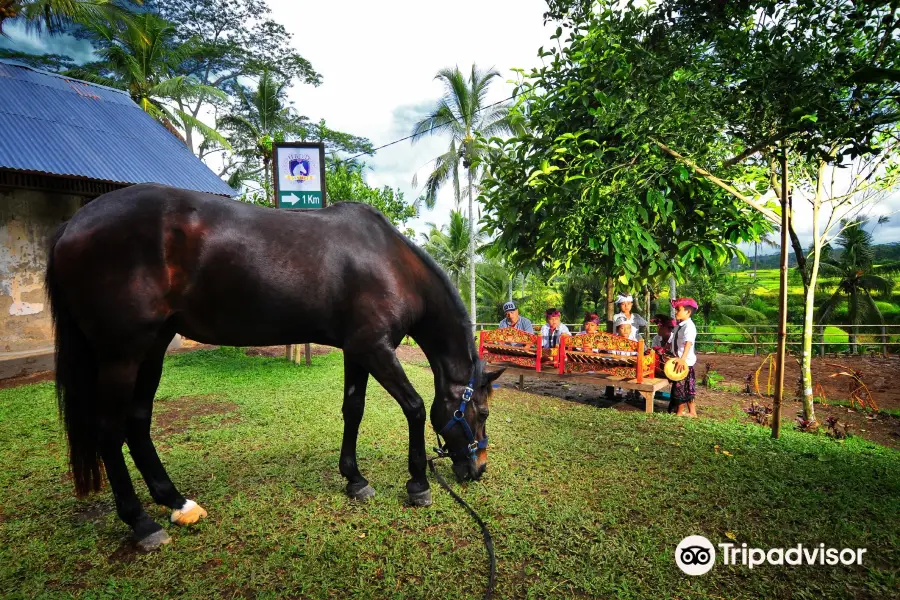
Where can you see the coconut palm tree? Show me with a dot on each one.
(54, 16)
(140, 57)
(463, 115)
(262, 116)
(449, 245)
(858, 278)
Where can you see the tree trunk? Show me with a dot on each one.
(755, 259)
(809, 411)
(472, 305)
(522, 299)
(647, 315)
(782, 301)
(510, 287)
(268, 180)
(853, 331)
(610, 304)
(672, 296)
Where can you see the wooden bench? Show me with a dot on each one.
(606, 353)
(514, 347)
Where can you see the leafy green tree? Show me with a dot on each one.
(345, 183)
(723, 298)
(463, 114)
(731, 85)
(140, 57)
(859, 280)
(228, 40)
(449, 245)
(264, 115)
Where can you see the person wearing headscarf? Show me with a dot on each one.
(590, 325)
(623, 328)
(552, 329)
(682, 347)
(625, 303)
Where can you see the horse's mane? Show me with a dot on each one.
(462, 315)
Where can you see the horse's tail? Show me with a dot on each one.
(76, 383)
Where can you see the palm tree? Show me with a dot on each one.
(263, 116)
(857, 277)
(493, 283)
(723, 298)
(56, 15)
(140, 57)
(463, 114)
(449, 245)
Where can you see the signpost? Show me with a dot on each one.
(298, 170)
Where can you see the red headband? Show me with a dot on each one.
(664, 321)
(591, 318)
(685, 302)
(551, 313)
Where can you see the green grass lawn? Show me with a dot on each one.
(582, 502)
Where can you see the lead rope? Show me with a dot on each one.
(488, 542)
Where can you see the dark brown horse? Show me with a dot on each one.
(136, 266)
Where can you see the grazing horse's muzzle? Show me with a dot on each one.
(467, 469)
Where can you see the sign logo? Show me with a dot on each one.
(695, 555)
(298, 168)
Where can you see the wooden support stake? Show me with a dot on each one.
(640, 361)
(308, 355)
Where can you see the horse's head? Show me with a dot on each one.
(460, 419)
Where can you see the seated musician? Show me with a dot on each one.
(512, 319)
(553, 329)
(637, 321)
(590, 325)
(665, 325)
(623, 329)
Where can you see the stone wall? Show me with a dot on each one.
(28, 220)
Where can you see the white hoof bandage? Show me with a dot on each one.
(190, 513)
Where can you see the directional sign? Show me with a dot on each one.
(299, 199)
(299, 173)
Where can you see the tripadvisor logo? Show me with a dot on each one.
(695, 555)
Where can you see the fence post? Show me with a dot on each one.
(755, 342)
(884, 342)
(822, 337)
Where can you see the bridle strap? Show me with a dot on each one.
(459, 418)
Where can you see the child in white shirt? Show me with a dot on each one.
(682, 345)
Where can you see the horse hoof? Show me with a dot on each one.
(154, 540)
(188, 514)
(420, 498)
(362, 494)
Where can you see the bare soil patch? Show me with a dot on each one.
(878, 373)
(175, 415)
(278, 351)
(11, 382)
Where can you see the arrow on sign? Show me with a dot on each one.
(293, 199)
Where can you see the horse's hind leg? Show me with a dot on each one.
(115, 388)
(162, 490)
(356, 379)
(384, 366)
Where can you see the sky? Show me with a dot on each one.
(378, 61)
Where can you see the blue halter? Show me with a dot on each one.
(459, 418)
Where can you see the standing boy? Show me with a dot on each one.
(683, 341)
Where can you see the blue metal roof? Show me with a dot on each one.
(61, 126)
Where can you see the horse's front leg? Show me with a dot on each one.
(356, 378)
(384, 366)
